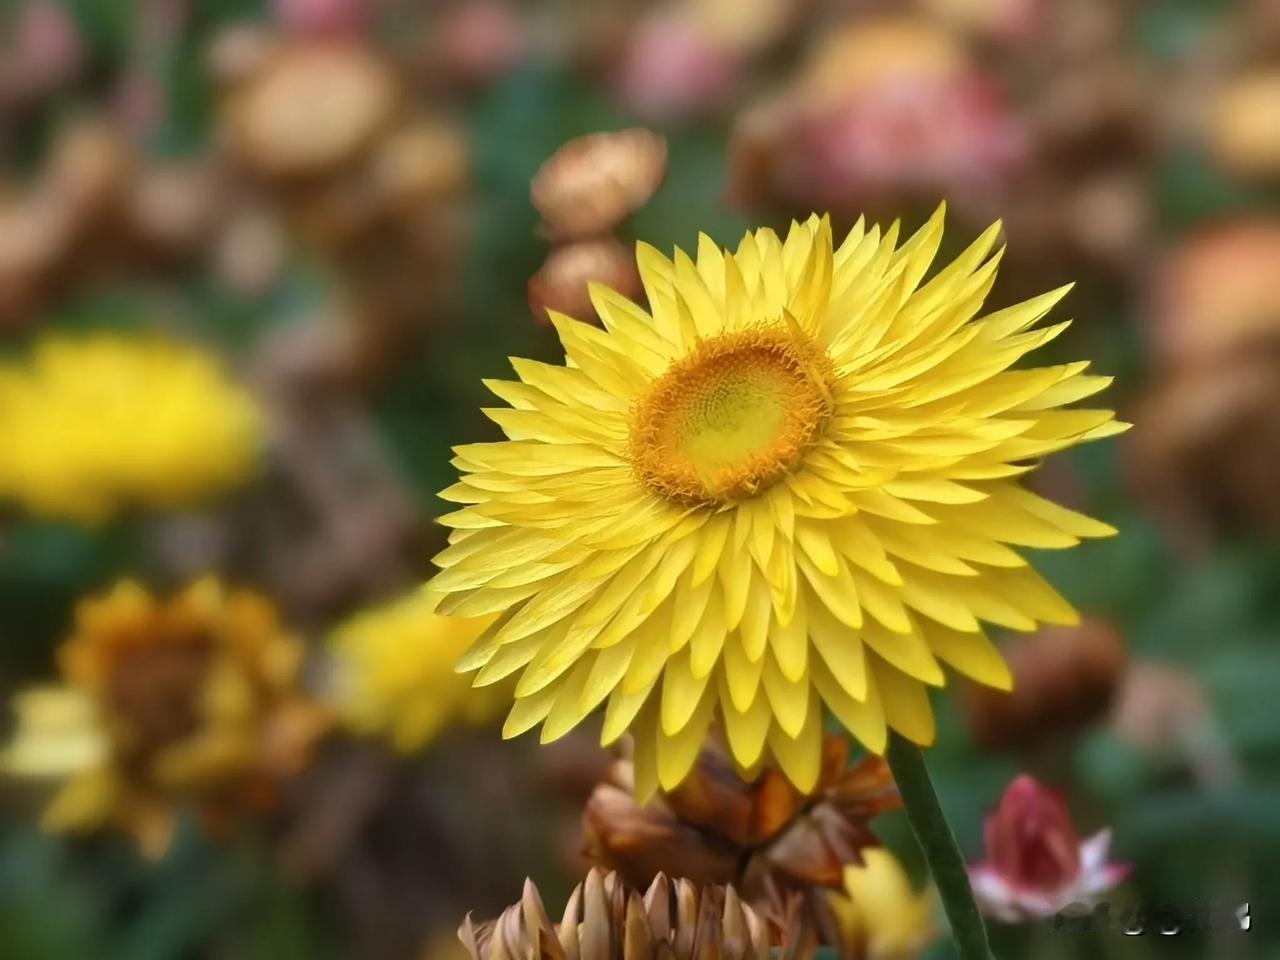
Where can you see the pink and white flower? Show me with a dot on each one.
(1036, 865)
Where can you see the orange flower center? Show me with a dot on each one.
(732, 417)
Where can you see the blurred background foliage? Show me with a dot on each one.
(1132, 152)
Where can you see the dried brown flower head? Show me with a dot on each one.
(89, 169)
(34, 237)
(563, 282)
(172, 209)
(605, 920)
(591, 183)
(1208, 451)
(423, 162)
(1064, 678)
(311, 108)
(718, 828)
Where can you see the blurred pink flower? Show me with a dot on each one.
(909, 133)
(321, 17)
(672, 69)
(477, 41)
(47, 44)
(137, 103)
(1036, 865)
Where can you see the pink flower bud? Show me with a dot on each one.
(673, 69)
(1036, 865)
(1030, 838)
(328, 18)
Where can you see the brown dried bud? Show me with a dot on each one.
(1063, 679)
(605, 920)
(90, 169)
(591, 183)
(172, 209)
(238, 52)
(249, 251)
(1094, 117)
(562, 283)
(312, 108)
(642, 842)
(34, 236)
(1108, 216)
(425, 162)
(1208, 448)
(755, 149)
(717, 828)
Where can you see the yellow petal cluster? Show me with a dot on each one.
(881, 917)
(96, 423)
(789, 487)
(393, 673)
(193, 698)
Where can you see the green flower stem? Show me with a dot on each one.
(938, 844)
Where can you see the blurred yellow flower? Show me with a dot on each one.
(882, 917)
(92, 424)
(393, 673)
(791, 486)
(1243, 123)
(58, 734)
(190, 699)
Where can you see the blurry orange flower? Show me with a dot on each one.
(1216, 291)
(194, 698)
(1244, 124)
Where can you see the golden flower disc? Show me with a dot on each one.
(732, 417)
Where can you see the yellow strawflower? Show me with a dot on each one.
(96, 423)
(791, 484)
(190, 699)
(393, 673)
(881, 916)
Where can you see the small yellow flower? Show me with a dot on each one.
(194, 698)
(96, 423)
(883, 918)
(393, 673)
(790, 485)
